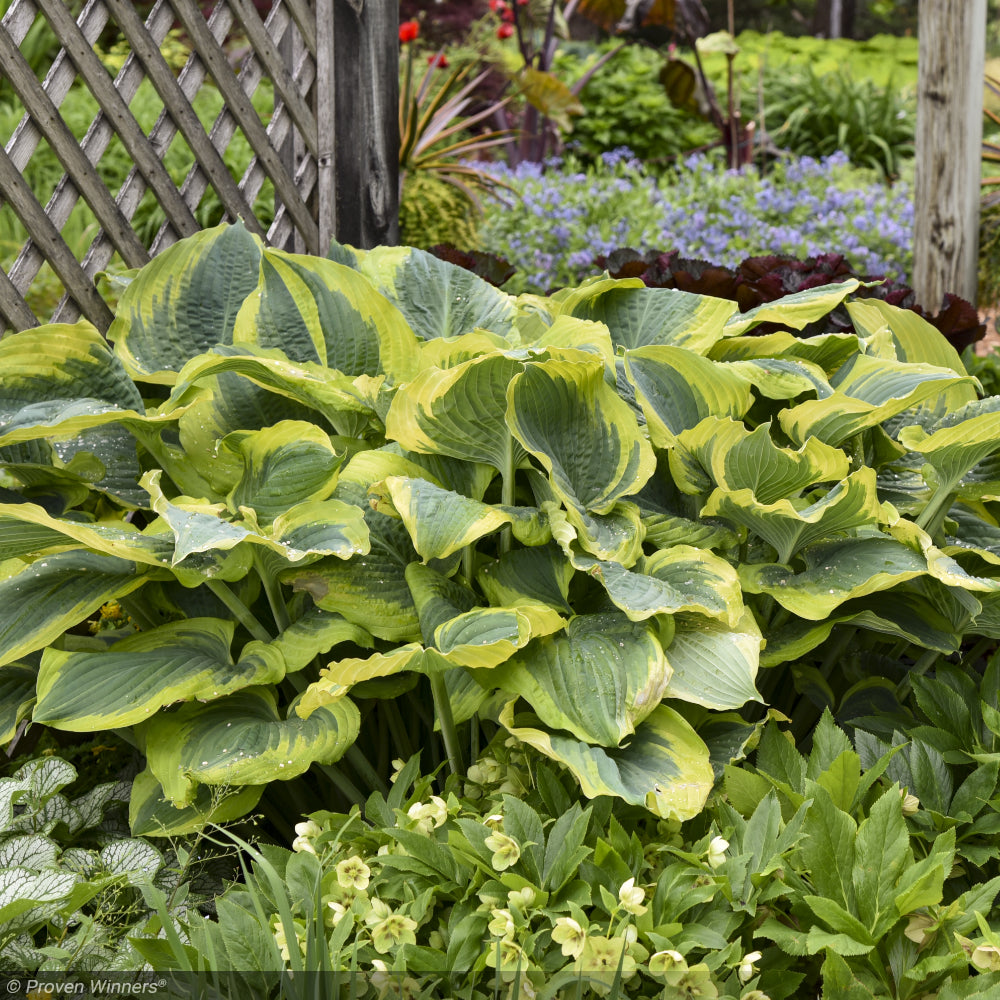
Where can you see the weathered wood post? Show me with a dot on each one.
(952, 55)
(366, 121)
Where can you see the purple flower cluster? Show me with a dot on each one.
(559, 218)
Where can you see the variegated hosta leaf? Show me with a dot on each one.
(447, 352)
(316, 310)
(184, 302)
(714, 665)
(460, 412)
(665, 766)
(896, 612)
(287, 464)
(179, 661)
(337, 678)
(669, 581)
(940, 566)
(797, 310)
(439, 521)
(17, 695)
(828, 351)
(539, 574)
(614, 537)
(340, 398)
(61, 378)
(437, 298)
(836, 571)
(317, 528)
(241, 740)
(641, 317)
(790, 525)
(575, 424)
(56, 592)
(722, 451)
(868, 390)
(960, 441)
(150, 814)
(316, 633)
(783, 378)
(677, 389)
(570, 332)
(967, 532)
(599, 679)
(665, 530)
(370, 589)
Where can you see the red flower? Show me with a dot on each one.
(408, 31)
(507, 15)
(440, 59)
(505, 31)
(498, 5)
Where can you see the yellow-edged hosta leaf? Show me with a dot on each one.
(677, 389)
(438, 299)
(447, 352)
(614, 537)
(641, 317)
(137, 676)
(790, 525)
(797, 310)
(439, 521)
(184, 302)
(576, 334)
(320, 311)
(599, 679)
(315, 634)
(836, 572)
(336, 678)
(585, 436)
(827, 350)
(56, 592)
(669, 581)
(61, 379)
(152, 815)
(665, 530)
(242, 740)
(940, 566)
(723, 452)
(318, 528)
(17, 695)
(665, 766)
(868, 391)
(284, 465)
(715, 665)
(783, 378)
(460, 412)
(539, 574)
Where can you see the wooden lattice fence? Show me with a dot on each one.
(329, 149)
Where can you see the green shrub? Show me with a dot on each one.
(808, 873)
(432, 211)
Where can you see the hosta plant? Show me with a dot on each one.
(354, 501)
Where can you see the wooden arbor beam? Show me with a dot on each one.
(948, 149)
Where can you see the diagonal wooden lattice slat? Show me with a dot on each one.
(292, 148)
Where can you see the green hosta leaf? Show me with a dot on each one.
(584, 435)
(184, 302)
(641, 317)
(540, 574)
(55, 593)
(868, 390)
(439, 521)
(460, 412)
(791, 525)
(681, 578)
(290, 463)
(61, 377)
(713, 665)
(797, 310)
(180, 661)
(241, 740)
(837, 571)
(960, 441)
(664, 767)
(340, 398)
(369, 590)
(677, 389)
(437, 298)
(152, 815)
(17, 695)
(316, 310)
(723, 451)
(599, 679)
(828, 350)
(315, 634)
